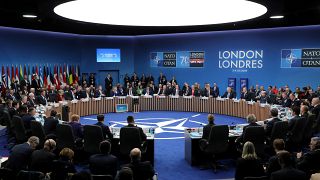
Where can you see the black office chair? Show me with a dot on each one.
(92, 137)
(30, 175)
(307, 135)
(20, 131)
(8, 123)
(101, 177)
(217, 142)
(129, 139)
(279, 130)
(295, 136)
(65, 137)
(256, 135)
(37, 130)
(6, 174)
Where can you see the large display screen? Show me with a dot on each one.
(108, 55)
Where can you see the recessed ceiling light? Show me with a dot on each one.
(29, 16)
(160, 13)
(276, 17)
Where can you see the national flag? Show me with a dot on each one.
(12, 74)
(3, 80)
(33, 72)
(55, 69)
(21, 73)
(8, 76)
(51, 75)
(67, 74)
(48, 76)
(76, 74)
(25, 70)
(29, 74)
(70, 76)
(60, 70)
(37, 72)
(41, 76)
(64, 74)
(17, 74)
(45, 82)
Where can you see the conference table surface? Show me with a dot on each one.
(230, 107)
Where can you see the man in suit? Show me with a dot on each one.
(295, 119)
(315, 103)
(35, 83)
(76, 126)
(42, 159)
(105, 129)
(215, 90)
(41, 99)
(11, 95)
(28, 117)
(176, 91)
(186, 90)
(273, 164)
(98, 93)
(14, 109)
(50, 124)
(252, 120)
(270, 123)
(103, 163)
(92, 80)
(141, 170)
(207, 128)
(21, 154)
(244, 94)
(162, 79)
(294, 101)
(31, 100)
(147, 92)
(287, 168)
(229, 94)
(25, 83)
(131, 91)
(108, 84)
(131, 123)
(206, 92)
(263, 98)
(309, 162)
(285, 101)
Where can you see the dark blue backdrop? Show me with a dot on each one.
(18, 46)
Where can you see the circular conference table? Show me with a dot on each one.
(230, 107)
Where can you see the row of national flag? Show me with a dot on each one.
(68, 74)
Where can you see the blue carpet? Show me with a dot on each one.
(169, 143)
(169, 153)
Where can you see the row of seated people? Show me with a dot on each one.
(59, 165)
(282, 165)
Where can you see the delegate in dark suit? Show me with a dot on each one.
(27, 118)
(41, 100)
(215, 91)
(77, 129)
(20, 157)
(309, 162)
(41, 160)
(248, 168)
(206, 130)
(288, 173)
(105, 130)
(103, 164)
(230, 95)
(50, 125)
(273, 165)
(141, 170)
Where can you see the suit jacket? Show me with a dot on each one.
(27, 118)
(288, 173)
(215, 92)
(20, 157)
(245, 96)
(11, 97)
(50, 125)
(41, 160)
(286, 102)
(103, 164)
(246, 168)
(12, 112)
(186, 92)
(270, 126)
(77, 129)
(240, 138)
(143, 136)
(35, 84)
(293, 121)
(141, 170)
(273, 165)
(231, 95)
(309, 162)
(295, 102)
(105, 130)
(108, 83)
(41, 100)
(173, 92)
(206, 131)
(150, 91)
(205, 92)
(30, 103)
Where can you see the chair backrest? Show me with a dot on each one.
(308, 130)
(20, 131)
(218, 139)
(298, 131)
(7, 120)
(65, 137)
(129, 139)
(279, 130)
(92, 137)
(256, 135)
(101, 177)
(37, 130)
(30, 175)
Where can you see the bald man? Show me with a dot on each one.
(141, 170)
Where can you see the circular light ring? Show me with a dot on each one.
(160, 12)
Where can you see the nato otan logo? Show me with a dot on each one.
(290, 58)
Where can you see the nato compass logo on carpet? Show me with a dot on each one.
(290, 58)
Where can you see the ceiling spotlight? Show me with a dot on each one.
(277, 17)
(160, 13)
(29, 16)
